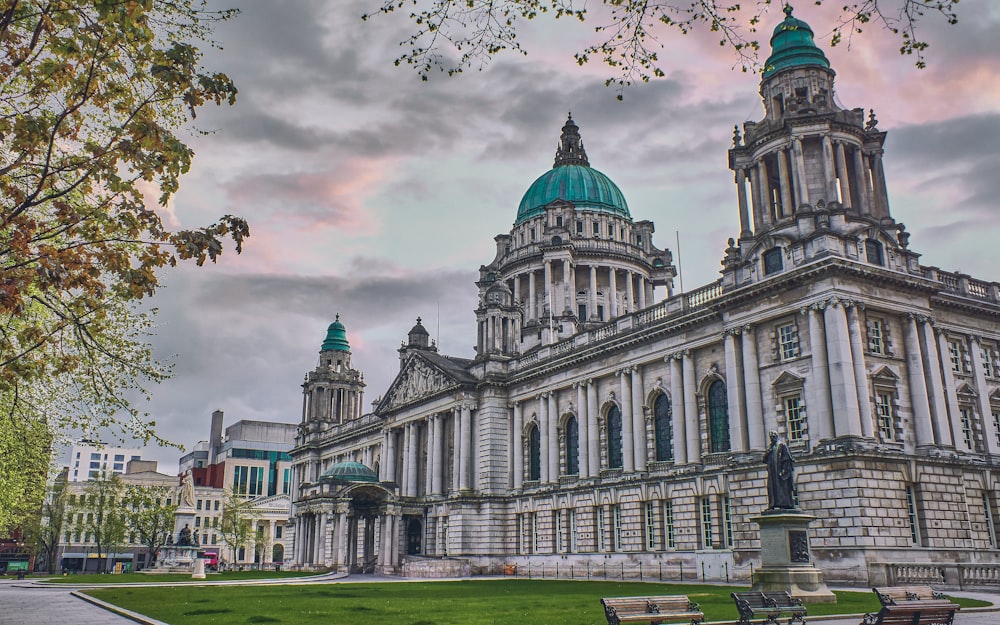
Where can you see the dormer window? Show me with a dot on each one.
(773, 262)
(873, 250)
(597, 229)
(579, 226)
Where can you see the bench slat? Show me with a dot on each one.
(652, 609)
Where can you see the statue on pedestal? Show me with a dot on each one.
(185, 538)
(780, 483)
(185, 498)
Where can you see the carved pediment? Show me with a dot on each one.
(417, 380)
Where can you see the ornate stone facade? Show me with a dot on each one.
(600, 423)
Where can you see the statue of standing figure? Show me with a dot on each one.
(185, 499)
(780, 483)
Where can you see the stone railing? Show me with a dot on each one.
(966, 286)
(940, 575)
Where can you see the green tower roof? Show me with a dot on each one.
(792, 46)
(350, 472)
(572, 179)
(336, 338)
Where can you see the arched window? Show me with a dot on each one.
(614, 438)
(534, 454)
(718, 416)
(663, 423)
(572, 446)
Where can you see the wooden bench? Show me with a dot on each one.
(653, 610)
(894, 595)
(768, 605)
(913, 613)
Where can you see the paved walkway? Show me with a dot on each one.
(29, 603)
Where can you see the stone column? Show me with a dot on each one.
(764, 188)
(517, 289)
(691, 410)
(343, 531)
(918, 387)
(859, 167)
(734, 393)
(464, 482)
(787, 208)
(756, 429)
(532, 309)
(548, 295)
(518, 447)
(985, 410)
(845, 180)
(592, 295)
(758, 220)
(818, 405)
(437, 448)
(642, 292)
(860, 372)
(429, 446)
(802, 187)
(932, 367)
(628, 453)
(553, 437)
(593, 433)
(829, 170)
(456, 442)
(951, 394)
(843, 387)
(881, 193)
(404, 486)
(741, 194)
(677, 406)
(321, 543)
(629, 293)
(638, 420)
(613, 292)
(414, 461)
(583, 422)
(567, 288)
(543, 435)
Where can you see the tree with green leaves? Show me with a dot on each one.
(454, 35)
(237, 521)
(44, 532)
(150, 516)
(105, 520)
(93, 96)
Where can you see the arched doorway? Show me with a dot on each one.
(278, 553)
(414, 533)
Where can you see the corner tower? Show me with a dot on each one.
(334, 392)
(809, 175)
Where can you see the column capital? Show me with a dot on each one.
(733, 331)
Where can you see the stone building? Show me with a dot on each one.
(603, 421)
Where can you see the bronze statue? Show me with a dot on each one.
(185, 538)
(780, 483)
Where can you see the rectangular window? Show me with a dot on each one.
(987, 355)
(197, 521)
(573, 547)
(215, 539)
(557, 533)
(278, 531)
(668, 523)
(95, 465)
(616, 518)
(532, 231)
(727, 513)
(241, 475)
(256, 481)
(651, 538)
(602, 530)
(788, 342)
(534, 533)
(579, 226)
(119, 457)
(911, 512)
(876, 336)
(597, 229)
(638, 240)
(706, 522)
(966, 418)
(215, 507)
(95, 456)
(795, 418)
(996, 425)
(581, 312)
(955, 354)
(118, 467)
(990, 527)
(520, 533)
(286, 482)
(197, 505)
(883, 417)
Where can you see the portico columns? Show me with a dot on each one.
(553, 438)
(756, 430)
(628, 457)
(734, 393)
(951, 393)
(593, 434)
(456, 443)
(845, 180)
(932, 367)
(985, 410)
(691, 409)
(466, 462)
(437, 449)
(629, 293)
(786, 186)
(741, 194)
(532, 297)
(818, 406)
(592, 295)
(543, 431)
(583, 422)
(918, 386)
(677, 403)
(518, 448)
(638, 420)
(860, 372)
(613, 292)
(843, 388)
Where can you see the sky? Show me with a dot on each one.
(376, 195)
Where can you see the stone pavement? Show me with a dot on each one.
(27, 603)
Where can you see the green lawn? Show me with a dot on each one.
(476, 602)
(129, 578)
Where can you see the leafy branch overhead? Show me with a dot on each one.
(454, 35)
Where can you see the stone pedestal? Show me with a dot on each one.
(199, 569)
(786, 562)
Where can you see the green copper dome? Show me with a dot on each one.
(574, 180)
(350, 472)
(792, 46)
(336, 338)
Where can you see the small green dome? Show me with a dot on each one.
(792, 45)
(572, 179)
(350, 472)
(336, 338)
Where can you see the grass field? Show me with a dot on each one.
(475, 602)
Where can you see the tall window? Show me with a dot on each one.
(602, 529)
(873, 249)
(794, 417)
(788, 342)
(990, 526)
(650, 518)
(560, 532)
(573, 547)
(241, 476)
(668, 523)
(534, 454)
(256, 481)
(772, 261)
(996, 424)
(572, 446)
(955, 354)
(663, 423)
(883, 417)
(911, 513)
(876, 336)
(966, 417)
(728, 520)
(987, 354)
(286, 481)
(614, 438)
(706, 522)
(616, 520)
(718, 416)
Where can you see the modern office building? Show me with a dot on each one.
(600, 425)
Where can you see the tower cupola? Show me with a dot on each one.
(792, 45)
(336, 337)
